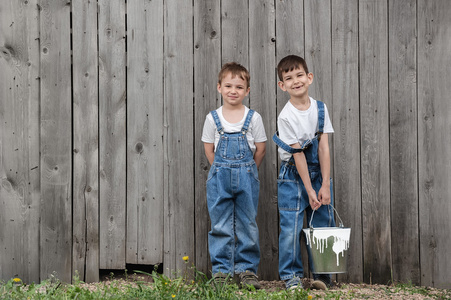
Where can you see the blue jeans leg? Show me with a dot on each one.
(221, 238)
(290, 262)
(247, 254)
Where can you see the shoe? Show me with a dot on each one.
(249, 279)
(220, 278)
(293, 283)
(323, 282)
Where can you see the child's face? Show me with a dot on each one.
(296, 82)
(233, 90)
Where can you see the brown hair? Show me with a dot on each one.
(289, 63)
(236, 70)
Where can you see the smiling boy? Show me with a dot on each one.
(304, 182)
(234, 142)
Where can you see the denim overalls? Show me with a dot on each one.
(232, 197)
(293, 200)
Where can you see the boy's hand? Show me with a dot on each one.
(313, 200)
(324, 195)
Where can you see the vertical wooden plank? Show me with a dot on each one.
(262, 54)
(373, 46)
(235, 33)
(403, 141)
(19, 141)
(145, 132)
(345, 107)
(434, 157)
(85, 248)
(318, 54)
(112, 131)
(207, 63)
(56, 150)
(318, 49)
(179, 157)
(289, 39)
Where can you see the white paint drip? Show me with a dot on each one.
(341, 240)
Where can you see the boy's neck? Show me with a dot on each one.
(301, 103)
(232, 107)
(233, 113)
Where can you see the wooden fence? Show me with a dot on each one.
(102, 107)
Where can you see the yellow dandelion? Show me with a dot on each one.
(17, 280)
(309, 297)
(173, 296)
(185, 258)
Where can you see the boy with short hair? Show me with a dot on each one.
(304, 182)
(234, 141)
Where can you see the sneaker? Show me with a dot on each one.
(248, 279)
(323, 282)
(293, 283)
(221, 278)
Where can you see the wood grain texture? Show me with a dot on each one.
(85, 231)
(318, 53)
(263, 100)
(374, 132)
(145, 198)
(290, 39)
(347, 184)
(207, 63)
(178, 140)
(318, 40)
(55, 142)
(434, 140)
(403, 141)
(112, 133)
(90, 180)
(19, 141)
(235, 33)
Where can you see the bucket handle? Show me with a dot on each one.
(340, 223)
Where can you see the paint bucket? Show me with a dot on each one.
(328, 247)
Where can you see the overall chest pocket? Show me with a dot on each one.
(233, 147)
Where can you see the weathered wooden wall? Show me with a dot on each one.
(102, 105)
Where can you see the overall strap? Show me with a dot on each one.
(245, 127)
(217, 122)
(283, 145)
(320, 117)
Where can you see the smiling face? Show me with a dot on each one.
(296, 82)
(233, 90)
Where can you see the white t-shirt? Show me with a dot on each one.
(255, 134)
(298, 126)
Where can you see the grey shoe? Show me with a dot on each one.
(249, 279)
(221, 279)
(323, 282)
(293, 283)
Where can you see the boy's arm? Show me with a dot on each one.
(210, 152)
(260, 152)
(301, 166)
(324, 162)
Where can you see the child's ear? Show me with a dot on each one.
(310, 77)
(248, 90)
(282, 86)
(219, 87)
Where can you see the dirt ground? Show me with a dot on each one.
(346, 291)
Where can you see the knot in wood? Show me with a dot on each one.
(139, 147)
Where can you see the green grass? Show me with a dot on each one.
(190, 284)
(163, 287)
